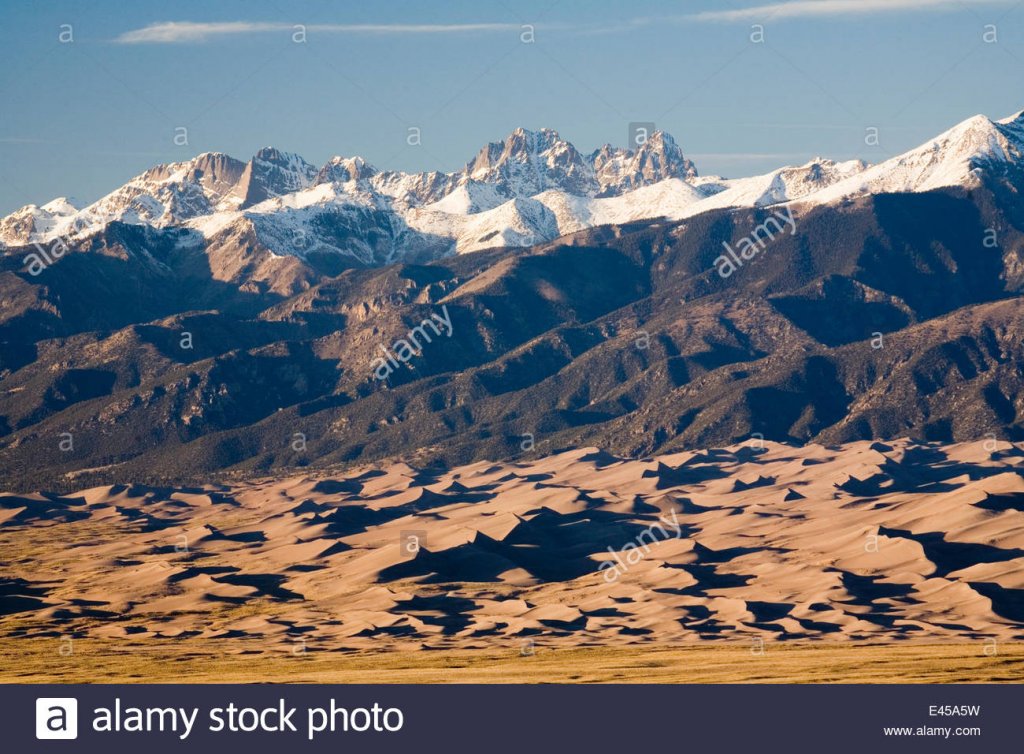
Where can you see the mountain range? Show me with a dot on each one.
(516, 192)
(530, 188)
(208, 313)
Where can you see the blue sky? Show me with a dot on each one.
(80, 118)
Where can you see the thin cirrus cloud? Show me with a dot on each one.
(178, 32)
(826, 8)
(184, 32)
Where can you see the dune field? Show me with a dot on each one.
(912, 552)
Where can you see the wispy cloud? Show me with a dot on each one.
(825, 8)
(186, 32)
(178, 32)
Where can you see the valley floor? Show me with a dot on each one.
(239, 661)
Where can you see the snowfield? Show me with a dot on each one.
(530, 188)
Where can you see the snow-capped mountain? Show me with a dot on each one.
(531, 187)
(272, 173)
(211, 190)
(170, 194)
(657, 159)
(958, 157)
(31, 223)
(777, 187)
(163, 195)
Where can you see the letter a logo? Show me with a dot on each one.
(56, 718)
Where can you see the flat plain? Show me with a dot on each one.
(214, 661)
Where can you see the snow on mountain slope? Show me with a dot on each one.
(31, 222)
(169, 194)
(783, 185)
(531, 187)
(347, 219)
(469, 198)
(672, 198)
(954, 158)
(550, 214)
(529, 162)
(164, 195)
(413, 189)
(272, 173)
(518, 222)
(345, 170)
(490, 202)
(657, 159)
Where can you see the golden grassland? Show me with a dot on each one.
(245, 661)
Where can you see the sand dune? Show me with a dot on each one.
(871, 541)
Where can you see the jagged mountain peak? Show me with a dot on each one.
(165, 194)
(819, 167)
(32, 222)
(529, 162)
(196, 167)
(657, 159)
(521, 145)
(61, 205)
(658, 141)
(281, 158)
(271, 173)
(525, 138)
(975, 141)
(344, 169)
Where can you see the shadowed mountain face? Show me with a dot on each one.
(137, 356)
